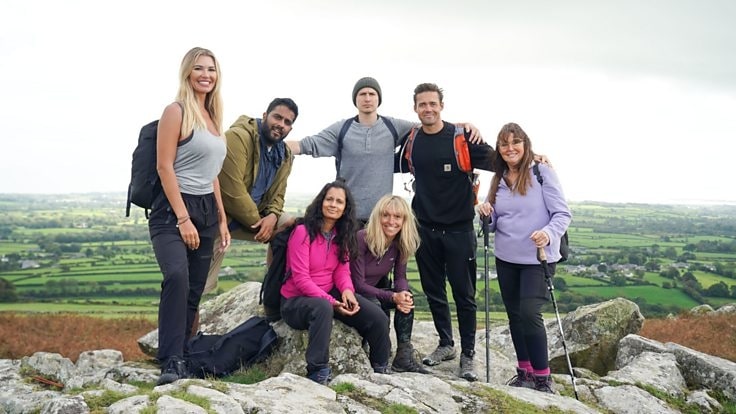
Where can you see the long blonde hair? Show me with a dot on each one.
(192, 118)
(407, 239)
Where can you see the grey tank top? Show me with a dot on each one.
(198, 161)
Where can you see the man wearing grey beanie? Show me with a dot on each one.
(368, 145)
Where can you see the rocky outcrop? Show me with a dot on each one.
(644, 376)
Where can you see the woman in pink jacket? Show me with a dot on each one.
(318, 285)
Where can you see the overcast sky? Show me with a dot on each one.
(633, 101)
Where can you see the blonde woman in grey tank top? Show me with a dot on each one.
(187, 216)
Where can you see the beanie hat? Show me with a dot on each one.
(367, 82)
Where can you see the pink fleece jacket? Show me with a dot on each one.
(315, 268)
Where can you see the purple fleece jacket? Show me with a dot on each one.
(367, 270)
(314, 266)
(515, 217)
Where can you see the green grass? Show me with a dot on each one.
(652, 294)
(573, 281)
(707, 279)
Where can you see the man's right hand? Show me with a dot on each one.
(265, 226)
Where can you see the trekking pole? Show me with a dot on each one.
(484, 223)
(542, 257)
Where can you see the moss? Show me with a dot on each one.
(251, 375)
(496, 401)
(151, 409)
(349, 390)
(194, 399)
(728, 406)
(343, 387)
(676, 402)
(106, 399)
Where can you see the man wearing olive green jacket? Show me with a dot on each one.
(253, 177)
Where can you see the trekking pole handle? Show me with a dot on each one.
(541, 255)
(485, 222)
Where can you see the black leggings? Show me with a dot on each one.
(184, 270)
(403, 322)
(524, 292)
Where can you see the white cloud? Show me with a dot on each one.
(632, 101)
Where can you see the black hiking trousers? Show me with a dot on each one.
(316, 314)
(184, 270)
(449, 255)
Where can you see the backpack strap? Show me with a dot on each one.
(340, 139)
(344, 131)
(408, 147)
(391, 128)
(535, 170)
(462, 152)
(461, 146)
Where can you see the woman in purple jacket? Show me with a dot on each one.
(525, 215)
(384, 246)
(319, 287)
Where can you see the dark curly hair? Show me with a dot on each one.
(346, 226)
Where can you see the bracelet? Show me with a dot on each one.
(181, 221)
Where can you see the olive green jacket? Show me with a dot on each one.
(239, 172)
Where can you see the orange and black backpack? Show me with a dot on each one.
(462, 156)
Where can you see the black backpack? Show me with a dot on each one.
(145, 184)
(344, 131)
(275, 276)
(564, 245)
(220, 355)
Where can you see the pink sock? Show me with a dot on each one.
(526, 365)
(545, 371)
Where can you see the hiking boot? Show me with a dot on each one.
(467, 368)
(404, 360)
(543, 383)
(174, 369)
(381, 369)
(321, 376)
(442, 353)
(522, 379)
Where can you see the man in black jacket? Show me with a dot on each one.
(444, 207)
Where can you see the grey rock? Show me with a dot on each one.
(657, 370)
(727, 309)
(49, 365)
(604, 331)
(130, 405)
(701, 310)
(285, 394)
(706, 371)
(704, 402)
(168, 404)
(628, 399)
(65, 405)
(592, 333)
(632, 345)
(219, 402)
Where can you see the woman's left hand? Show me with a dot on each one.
(224, 237)
(540, 238)
(484, 209)
(404, 301)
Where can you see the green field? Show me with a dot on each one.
(92, 259)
